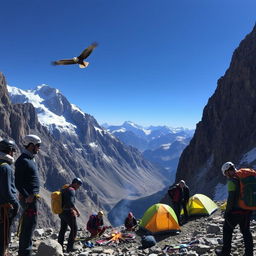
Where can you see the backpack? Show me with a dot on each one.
(175, 193)
(148, 241)
(247, 195)
(56, 200)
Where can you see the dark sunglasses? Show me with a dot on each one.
(38, 145)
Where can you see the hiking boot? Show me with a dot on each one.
(219, 252)
(72, 249)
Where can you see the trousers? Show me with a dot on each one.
(231, 221)
(67, 219)
(6, 220)
(28, 223)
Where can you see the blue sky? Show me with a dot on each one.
(157, 63)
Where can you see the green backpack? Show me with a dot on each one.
(247, 196)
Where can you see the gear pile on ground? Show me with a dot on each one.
(206, 232)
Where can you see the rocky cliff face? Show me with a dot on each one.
(110, 170)
(55, 162)
(227, 129)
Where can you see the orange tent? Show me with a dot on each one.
(160, 218)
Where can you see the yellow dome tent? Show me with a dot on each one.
(223, 206)
(160, 218)
(200, 204)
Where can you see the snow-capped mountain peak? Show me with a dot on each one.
(46, 91)
(130, 125)
(52, 107)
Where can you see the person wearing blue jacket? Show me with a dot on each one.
(8, 201)
(27, 183)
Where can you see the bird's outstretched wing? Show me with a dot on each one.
(87, 51)
(64, 62)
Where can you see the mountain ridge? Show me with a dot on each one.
(109, 169)
(226, 131)
(145, 138)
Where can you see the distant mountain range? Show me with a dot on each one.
(152, 137)
(161, 145)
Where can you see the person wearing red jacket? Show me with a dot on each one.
(95, 224)
(130, 222)
(179, 194)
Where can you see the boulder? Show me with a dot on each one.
(49, 247)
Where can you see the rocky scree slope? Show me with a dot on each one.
(207, 230)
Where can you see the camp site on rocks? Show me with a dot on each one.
(205, 230)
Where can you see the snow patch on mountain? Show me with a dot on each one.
(102, 132)
(249, 157)
(179, 138)
(53, 121)
(93, 145)
(131, 124)
(220, 192)
(119, 130)
(107, 158)
(38, 98)
(146, 131)
(76, 108)
(166, 146)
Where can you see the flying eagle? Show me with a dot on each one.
(78, 60)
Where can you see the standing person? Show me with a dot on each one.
(184, 198)
(234, 215)
(179, 194)
(27, 183)
(8, 200)
(175, 196)
(95, 224)
(69, 214)
(130, 222)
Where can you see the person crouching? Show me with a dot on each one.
(130, 222)
(95, 224)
